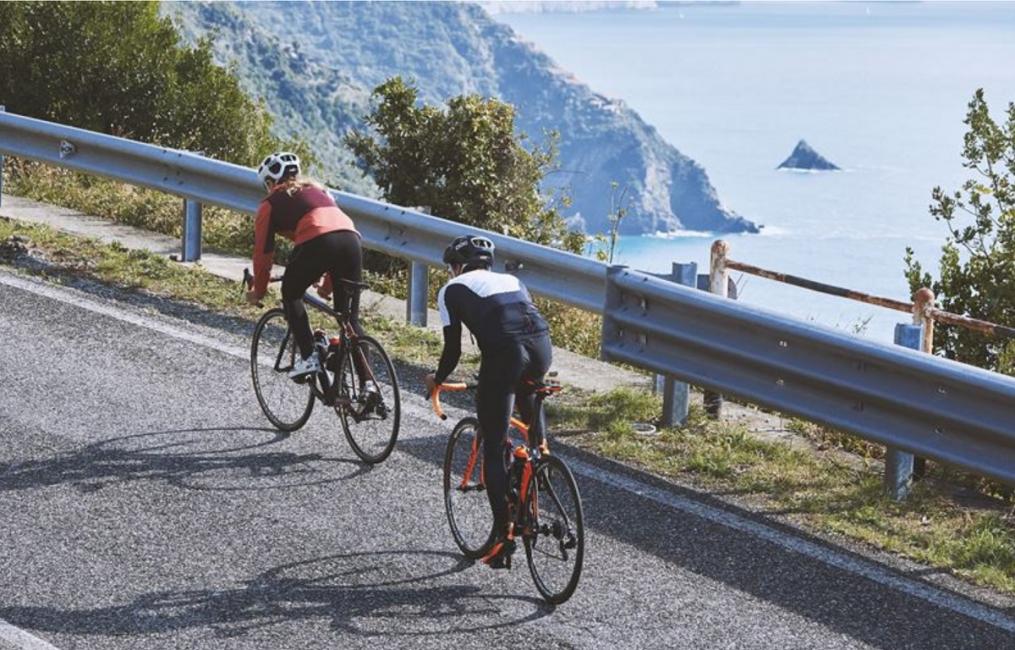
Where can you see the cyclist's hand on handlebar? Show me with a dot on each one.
(323, 285)
(431, 384)
(254, 297)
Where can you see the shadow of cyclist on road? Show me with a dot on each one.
(384, 593)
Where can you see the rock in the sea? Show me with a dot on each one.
(804, 157)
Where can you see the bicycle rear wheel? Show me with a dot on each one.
(370, 406)
(465, 500)
(285, 403)
(554, 531)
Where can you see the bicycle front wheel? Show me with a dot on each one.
(273, 351)
(554, 531)
(369, 403)
(465, 499)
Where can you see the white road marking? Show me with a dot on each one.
(73, 297)
(22, 640)
(867, 569)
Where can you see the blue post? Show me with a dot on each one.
(419, 283)
(898, 463)
(2, 109)
(677, 394)
(191, 231)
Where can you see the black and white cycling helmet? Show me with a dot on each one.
(277, 166)
(468, 250)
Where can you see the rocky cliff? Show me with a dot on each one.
(315, 63)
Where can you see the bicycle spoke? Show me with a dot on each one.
(285, 403)
(370, 407)
(555, 541)
(465, 501)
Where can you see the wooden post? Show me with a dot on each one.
(719, 285)
(923, 302)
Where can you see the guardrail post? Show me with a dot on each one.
(191, 231)
(677, 394)
(2, 109)
(612, 300)
(419, 290)
(898, 463)
(719, 285)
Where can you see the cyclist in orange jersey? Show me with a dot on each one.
(327, 244)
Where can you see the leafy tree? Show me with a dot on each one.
(977, 276)
(117, 67)
(464, 162)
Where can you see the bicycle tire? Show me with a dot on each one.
(468, 510)
(550, 533)
(369, 443)
(283, 391)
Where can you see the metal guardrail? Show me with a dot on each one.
(900, 466)
(925, 405)
(933, 407)
(388, 228)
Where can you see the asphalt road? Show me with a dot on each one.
(146, 502)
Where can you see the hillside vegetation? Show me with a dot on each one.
(118, 68)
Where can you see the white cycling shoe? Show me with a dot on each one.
(304, 367)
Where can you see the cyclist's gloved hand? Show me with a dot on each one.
(254, 297)
(431, 384)
(323, 285)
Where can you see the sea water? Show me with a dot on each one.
(880, 89)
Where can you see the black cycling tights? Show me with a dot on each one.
(502, 376)
(337, 253)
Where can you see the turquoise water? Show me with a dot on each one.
(879, 89)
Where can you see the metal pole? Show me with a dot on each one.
(191, 239)
(899, 463)
(677, 394)
(2, 109)
(923, 302)
(419, 289)
(719, 285)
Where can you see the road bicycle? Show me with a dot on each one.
(544, 506)
(357, 378)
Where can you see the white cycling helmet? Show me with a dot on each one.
(277, 166)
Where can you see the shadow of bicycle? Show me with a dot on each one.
(214, 458)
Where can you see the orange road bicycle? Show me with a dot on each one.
(357, 379)
(544, 506)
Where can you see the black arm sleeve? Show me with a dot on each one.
(452, 350)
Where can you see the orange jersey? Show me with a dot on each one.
(298, 213)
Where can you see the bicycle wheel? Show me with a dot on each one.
(554, 534)
(370, 407)
(286, 404)
(465, 499)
